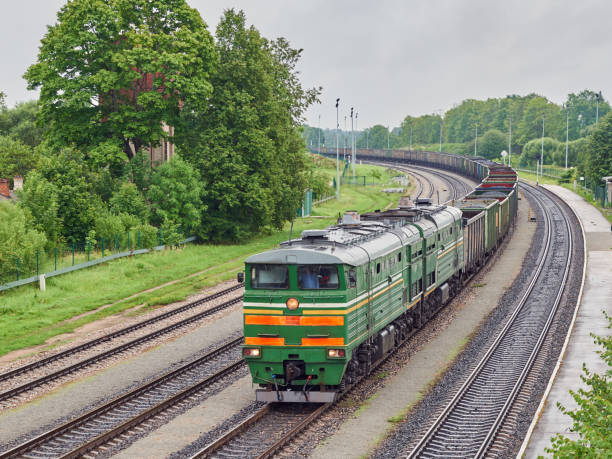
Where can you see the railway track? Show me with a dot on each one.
(266, 432)
(469, 424)
(52, 360)
(122, 416)
(459, 187)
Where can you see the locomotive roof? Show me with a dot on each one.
(353, 244)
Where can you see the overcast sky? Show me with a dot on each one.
(391, 58)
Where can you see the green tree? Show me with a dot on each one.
(111, 72)
(176, 194)
(377, 137)
(40, 198)
(599, 150)
(20, 123)
(129, 200)
(533, 151)
(16, 158)
(77, 203)
(250, 154)
(583, 112)
(492, 144)
(138, 171)
(19, 242)
(593, 415)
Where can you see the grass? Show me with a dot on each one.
(29, 317)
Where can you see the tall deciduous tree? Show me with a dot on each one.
(599, 150)
(249, 151)
(110, 72)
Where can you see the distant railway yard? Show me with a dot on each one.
(175, 381)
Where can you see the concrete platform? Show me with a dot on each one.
(580, 348)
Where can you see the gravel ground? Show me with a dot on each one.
(218, 431)
(125, 321)
(156, 422)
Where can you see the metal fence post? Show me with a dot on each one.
(37, 262)
(55, 255)
(72, 254)
(102, 247)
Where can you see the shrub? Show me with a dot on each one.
(149, 235)
(108, 226)
(129, 200)
(18, 241)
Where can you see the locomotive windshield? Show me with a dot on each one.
(269, 276)
(317, 277)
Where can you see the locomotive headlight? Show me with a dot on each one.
(292, 304)
(335, 353)
(251, 352)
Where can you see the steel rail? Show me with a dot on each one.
(519, 383)
(461, 393)
(114, 351)
(55, 435)
(68, 352)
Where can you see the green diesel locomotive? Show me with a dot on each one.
(321, 310)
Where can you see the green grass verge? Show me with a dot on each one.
(29, 317)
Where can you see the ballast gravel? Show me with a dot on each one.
(107, 345)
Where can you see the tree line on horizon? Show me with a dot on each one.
(494, 118)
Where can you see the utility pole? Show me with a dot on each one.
(566, 132)
(319, 133)
(597, 98)
(357, 129)
(337, 154)
(352, 143)
(542, 154)
(510, 144)
(476, 141)
(410, 136)
(440, 149)
(388, 133)
(344, 138)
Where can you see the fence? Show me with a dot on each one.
(547, 171)
(61, 260)
(361, 180)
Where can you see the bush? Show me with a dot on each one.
(171, 234)
(18, 241)
(129, 200)
(108, 226)
(176, 194)
(39, 196)
(129, 221)
(149, 235)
